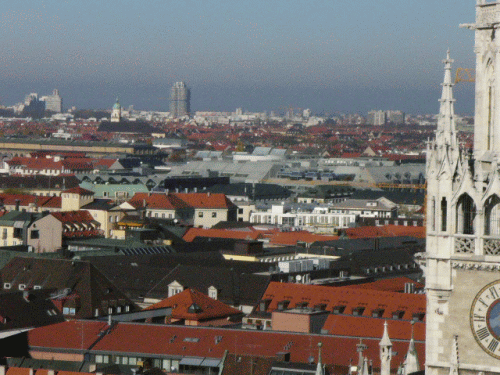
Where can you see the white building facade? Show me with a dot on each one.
(317, 220)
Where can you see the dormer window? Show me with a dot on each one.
(358, 311)
(212, 292)
(264, 304)
(398, 314)
(377, 313)
(283, 305)
(338, 309)
(418, 317)
(174, 288)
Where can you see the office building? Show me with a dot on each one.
(180, 97)
(53, 102)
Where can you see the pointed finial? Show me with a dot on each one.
(385, 341)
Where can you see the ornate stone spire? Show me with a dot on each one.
(385, 352)
(411, 363)
(446, 134)
(319, 367)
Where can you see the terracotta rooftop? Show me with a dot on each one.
(173, 340)
(193, 305)
(291, 238)
(396, 284)
(73, 217)
(385, 231)
(157, 200)
(78, 190)
(347, 301)
(205, 200)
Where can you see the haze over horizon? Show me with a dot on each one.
(261, 55)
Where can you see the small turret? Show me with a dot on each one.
(319, 368)
(385, 352)
(411, 363)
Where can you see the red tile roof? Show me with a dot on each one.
(213, 342)
(26, 199)
(396, 284)
(80, 191)
(69, 217)
(350, 298)
(205, 200)
(360, 326)
(291, 238)
(36, 163)
(385, 231)
(18, 371)
(158, 201)
(193, 305)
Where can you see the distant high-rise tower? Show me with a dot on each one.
(53, 102)
(180, 97)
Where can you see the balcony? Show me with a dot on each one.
(464, 244)
(491, 245)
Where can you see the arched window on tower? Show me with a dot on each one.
(492, 216)
(444, 214)
(466, 215)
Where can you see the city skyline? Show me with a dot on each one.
(330, 57)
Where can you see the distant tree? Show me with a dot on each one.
(14, 191)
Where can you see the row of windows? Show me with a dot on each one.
(167, 364)
(200, 214)
(356, 311)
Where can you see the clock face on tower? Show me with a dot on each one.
(485, 318)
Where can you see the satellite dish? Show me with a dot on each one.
(298, 277)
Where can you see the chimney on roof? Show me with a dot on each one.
(18, 203)
(208, 194)
(283, 356)
(409, 288)
(110, 321)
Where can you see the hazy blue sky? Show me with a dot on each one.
(328, 55)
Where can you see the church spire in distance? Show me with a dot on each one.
(446, 134)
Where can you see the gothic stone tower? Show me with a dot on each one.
(463, 221)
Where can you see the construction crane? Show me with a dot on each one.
(464, 75)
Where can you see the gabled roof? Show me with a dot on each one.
(26, 310)
(82, 279)
(157, 201)
(193, 305)
(184, 341)
(205, 200)
(78, 190)
(234, 287)
(68, 217)
(25, 200)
